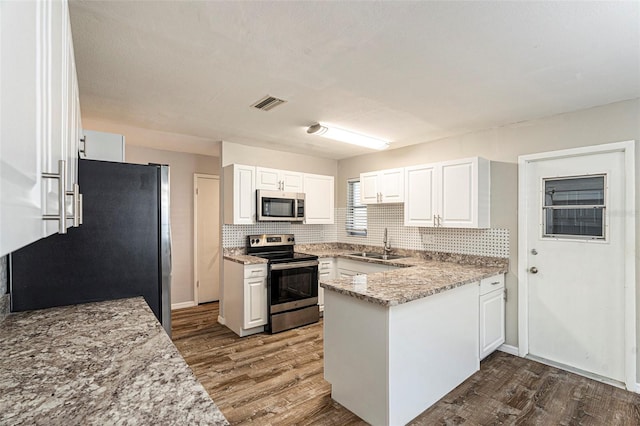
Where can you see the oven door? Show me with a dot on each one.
(293, 285)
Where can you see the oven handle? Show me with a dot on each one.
(293, 265)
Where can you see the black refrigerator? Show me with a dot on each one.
(122, 249)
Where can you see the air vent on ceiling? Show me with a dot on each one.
(268, 103)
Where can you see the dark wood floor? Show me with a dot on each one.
(278, 379)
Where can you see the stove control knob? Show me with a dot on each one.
(257, 240)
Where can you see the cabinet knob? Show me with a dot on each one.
(533, 270)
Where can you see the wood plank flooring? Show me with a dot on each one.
(278, 380)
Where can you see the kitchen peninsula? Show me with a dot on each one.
(397, 341)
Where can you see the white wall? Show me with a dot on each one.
(609, 123)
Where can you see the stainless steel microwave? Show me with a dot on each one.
(278, 206)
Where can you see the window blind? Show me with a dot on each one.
(356, 223)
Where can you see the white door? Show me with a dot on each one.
(291, 181)
(420, 199)
(207, 235)
(268, 179)
(369, 188)
(392, 185)
(319, 199)
(575, 236)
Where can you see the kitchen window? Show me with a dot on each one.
(574, 207)
(356, 223)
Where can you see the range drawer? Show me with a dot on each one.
(490, 284)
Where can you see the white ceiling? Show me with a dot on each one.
(409, 72)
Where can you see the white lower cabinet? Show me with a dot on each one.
(326, 271)
(245, 297)
(492, 331)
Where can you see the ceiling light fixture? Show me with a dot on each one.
(347, 136)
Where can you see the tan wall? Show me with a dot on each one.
(610, 123)
(155, 139)
(233, 153)
(182, 167)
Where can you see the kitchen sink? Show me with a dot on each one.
(380, 256)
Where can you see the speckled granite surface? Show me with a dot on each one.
(420, 274)
(96, 364)
(426, 278)
(238, 255)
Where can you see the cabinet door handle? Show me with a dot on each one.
(80, 209)
(495, 283)
(83, 150)
(61, 217)
(75, 196)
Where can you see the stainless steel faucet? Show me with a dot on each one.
(386, 247)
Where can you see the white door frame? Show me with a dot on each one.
(628, 148)
(195, 231)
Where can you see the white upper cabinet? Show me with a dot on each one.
(453, 194)
(319, 199)
(383, 186)
(465, 193)
(40, 116)
(239, 194)
(278, 180)
(103, 146)
(420, 196)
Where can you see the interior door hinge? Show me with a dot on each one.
(505, 294)
(197, 190)
(198, 284)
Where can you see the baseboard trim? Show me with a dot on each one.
(510, 349)
(182, 305)
(221, 320)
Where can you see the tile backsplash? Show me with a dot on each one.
(235, 235)
(480, 242)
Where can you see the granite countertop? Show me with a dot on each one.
(419, 274)
(94, 364)
(238, 255)
(403, 285)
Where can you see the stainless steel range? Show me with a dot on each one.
(292, 281)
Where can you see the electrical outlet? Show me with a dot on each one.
(428, 239)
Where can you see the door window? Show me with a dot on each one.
(574, 207)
